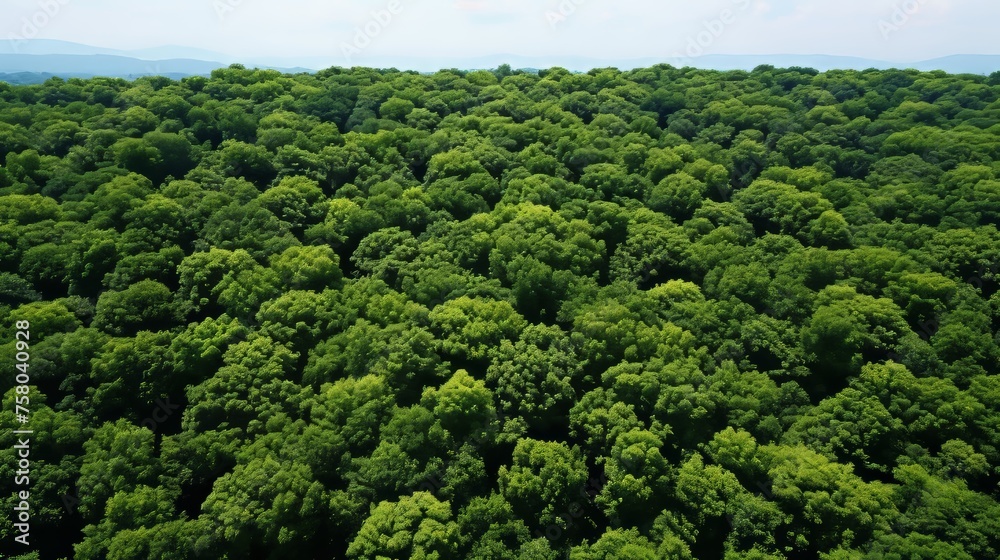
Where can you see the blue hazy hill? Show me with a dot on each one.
(44, 58)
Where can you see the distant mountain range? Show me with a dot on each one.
(49, 46)
(101, 64)
(37, 60)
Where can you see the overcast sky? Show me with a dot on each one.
(893, 30)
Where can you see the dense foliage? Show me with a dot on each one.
(661, 313)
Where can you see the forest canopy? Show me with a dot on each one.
(359, 314)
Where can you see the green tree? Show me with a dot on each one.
(616, 544)
(145, 305)
(266, 505)
(119, 457)
(417, 526)
(543, 481)
(638, 478)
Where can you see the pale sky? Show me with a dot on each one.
(893, 30)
